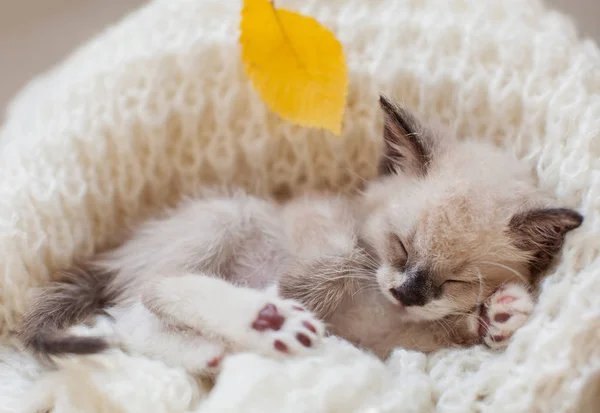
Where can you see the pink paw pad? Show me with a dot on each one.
(502, 317)
(286, 327)
(280, 346)
(268, 319)
(507, 299)
(303, 339)
(215, 362)
(505, 312)
(309, 326)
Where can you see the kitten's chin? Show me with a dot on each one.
(433, 311)
(412, 314)
(406, 314)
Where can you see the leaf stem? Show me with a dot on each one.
(287, 38)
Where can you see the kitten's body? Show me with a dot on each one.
(448, 228)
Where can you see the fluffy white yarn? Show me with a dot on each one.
(158, 106)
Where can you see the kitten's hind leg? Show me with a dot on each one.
(505, 311)
(250, 320)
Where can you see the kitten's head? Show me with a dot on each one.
(452, 221)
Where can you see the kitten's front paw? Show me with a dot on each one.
(505, 311)
(283, 327)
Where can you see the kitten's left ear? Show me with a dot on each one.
(407, 146)
(541, 233)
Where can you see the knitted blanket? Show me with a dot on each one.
(157, 107)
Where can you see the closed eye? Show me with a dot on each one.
(454, 282)
(398, 253)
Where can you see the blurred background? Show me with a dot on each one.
(35, 34)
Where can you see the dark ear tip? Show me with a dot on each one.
(576, 219)
(564, 218)
(568, 218)
(386, 104)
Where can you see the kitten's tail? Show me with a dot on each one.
(79, 293)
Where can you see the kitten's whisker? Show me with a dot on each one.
(365, 288)
(506, 267)
(439, 323)
(448, 329)
(367, 282)
(463, 313)
(481, 286)
(364, 259)
(356, 174)
(346, 277)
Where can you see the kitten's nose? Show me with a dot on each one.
(408, 296)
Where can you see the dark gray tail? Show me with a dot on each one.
(79, 293)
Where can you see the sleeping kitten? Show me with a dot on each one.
(439, 251)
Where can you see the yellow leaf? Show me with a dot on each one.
(296, 65)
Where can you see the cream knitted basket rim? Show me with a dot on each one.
(158, 106)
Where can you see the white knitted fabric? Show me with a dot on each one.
(158, 106)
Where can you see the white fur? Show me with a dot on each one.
(137, 329)
(518, 308)
(214, 305)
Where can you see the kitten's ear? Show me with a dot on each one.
(541, 233)
(407, 147)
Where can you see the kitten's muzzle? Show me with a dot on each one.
(409, 296)
(414, 291)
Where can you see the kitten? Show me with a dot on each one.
(440, 251)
